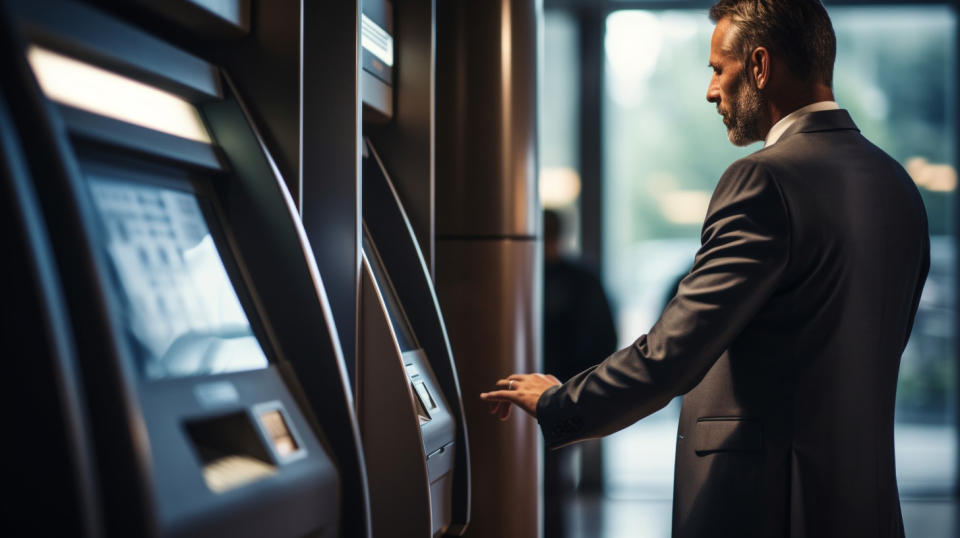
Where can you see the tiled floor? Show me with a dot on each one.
(603, 517)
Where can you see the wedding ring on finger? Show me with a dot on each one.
(510, 386)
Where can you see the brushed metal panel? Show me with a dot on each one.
(490, 293)
(486, 171)
(406, 144)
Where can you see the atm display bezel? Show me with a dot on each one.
(124, 165)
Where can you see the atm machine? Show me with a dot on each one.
(408, 395)
(211, 377)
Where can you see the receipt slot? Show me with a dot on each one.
(213, 379)
(408, 396)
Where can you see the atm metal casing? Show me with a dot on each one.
(408, 395)
(155, 438)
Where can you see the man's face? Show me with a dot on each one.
(743, 107)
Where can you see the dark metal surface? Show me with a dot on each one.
(212, 18)
(330, 112)
(265, 67)
(491, 295)
(406, 144)
(126, 491)
(486, 118)
(399, 488)
(390, 228)
(41, 374)
(290, 288)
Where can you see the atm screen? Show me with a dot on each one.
(183, 312)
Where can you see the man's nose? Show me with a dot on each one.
(713, 90)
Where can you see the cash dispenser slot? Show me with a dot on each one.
(231, 451)
(241, 447)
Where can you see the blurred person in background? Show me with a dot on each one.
(578, 330)
(785, 338)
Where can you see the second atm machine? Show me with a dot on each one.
(215, 386)
(408, 395)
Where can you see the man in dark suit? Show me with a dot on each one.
(786, 335)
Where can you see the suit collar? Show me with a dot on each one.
(826, 120)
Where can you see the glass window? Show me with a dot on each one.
(559, 135)
(664, 148)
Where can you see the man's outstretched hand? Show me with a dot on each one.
(522, 390)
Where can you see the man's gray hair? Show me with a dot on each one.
(798, 30)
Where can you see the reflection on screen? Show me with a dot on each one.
(183, 311)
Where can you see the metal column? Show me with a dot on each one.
(488, 252)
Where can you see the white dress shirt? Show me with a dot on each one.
(785, 122)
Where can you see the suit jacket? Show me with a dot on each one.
(785, 338)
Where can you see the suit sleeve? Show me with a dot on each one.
(745, 245)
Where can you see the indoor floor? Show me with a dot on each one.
(599, 516)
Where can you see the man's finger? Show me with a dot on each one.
(505, 409)
(501, 395)
(499, 407)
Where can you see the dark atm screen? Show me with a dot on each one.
(183, 312)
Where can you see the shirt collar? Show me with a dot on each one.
(781, 126)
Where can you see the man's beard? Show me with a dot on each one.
(746, 117)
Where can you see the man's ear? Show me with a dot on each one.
(760, 67)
